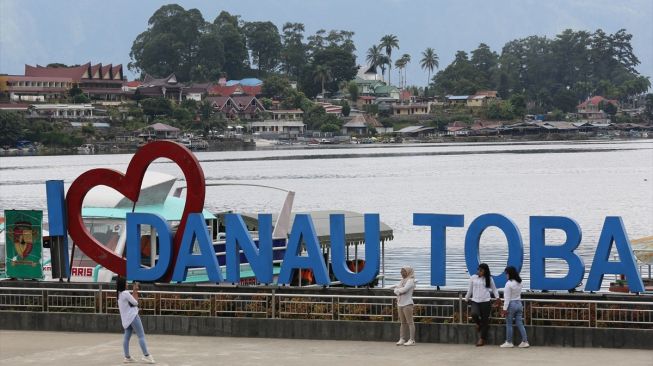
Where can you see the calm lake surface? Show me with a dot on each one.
(583, 180)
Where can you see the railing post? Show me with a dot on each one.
(335, 314)
(274, 305)
(100, 302)
(460, 307)
(44, 307)
(394, 307)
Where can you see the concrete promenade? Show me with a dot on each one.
(97, 349)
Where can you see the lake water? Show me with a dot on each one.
(583, 180)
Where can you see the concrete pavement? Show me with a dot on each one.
(61, 348)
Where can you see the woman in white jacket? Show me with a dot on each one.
(404, 292)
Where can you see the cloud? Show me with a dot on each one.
(19, 39)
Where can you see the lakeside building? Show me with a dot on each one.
(241, 107)
(34, 89)
(158, 131)
(363, 124)
(410, 109)
(482, 98)
(590, 110)
(416, 131)
(61, 111)
(103, 82)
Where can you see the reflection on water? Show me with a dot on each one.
(586, 181)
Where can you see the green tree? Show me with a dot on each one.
(171, 43)
(345, 108)
(81, 99)
(275, 86)
(352, 88)
(429, 61)
(460, 77)
(648, 111)
(156, 107)
(388, 42)
(373, 56)
(12, 128)
(502, 110)
(485, 61)
(518, 104)
(608, 108)
(293, 51)
(322, 74)
(401, 64)
(236, 57)
(565, 100)
(264, 42)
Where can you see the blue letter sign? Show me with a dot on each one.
(438, 224)
(372, 252)
(133, 251)
(473, 238)
(259, 258)
(196, 229)
(614, 231)
(303, 231)
(540, 252)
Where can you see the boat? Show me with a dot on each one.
(643, 250)
(105, 210)
(86, 149)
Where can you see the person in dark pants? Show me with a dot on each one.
(481, 288)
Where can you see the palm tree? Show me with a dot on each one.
(401, 64)
(389, 41)
(373, 56)
(383, 62)
(322, 74)
(429, 62)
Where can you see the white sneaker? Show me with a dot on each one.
(507, 344)
(524, 345)
(148, 359)
(401, 342)
(128, 360)
(411, 342)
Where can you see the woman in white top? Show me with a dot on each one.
(128, 306)
(513, 308)
(404, 292)
(481, 287)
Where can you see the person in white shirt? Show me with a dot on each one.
(513, 308)
(131, 322)
(404, 292)
(481, 288)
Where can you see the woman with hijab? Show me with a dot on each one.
(481, 288)
(404, 292)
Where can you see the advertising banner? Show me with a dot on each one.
(23, 244)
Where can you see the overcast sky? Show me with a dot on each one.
(75, 32)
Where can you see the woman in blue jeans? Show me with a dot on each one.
(513, 308)
(128, 306)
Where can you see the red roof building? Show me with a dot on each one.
(233, 90)
(242, 107)
(590, 109)
(97, 81)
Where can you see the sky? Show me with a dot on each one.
(76, 32)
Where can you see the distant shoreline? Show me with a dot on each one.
(299, 146)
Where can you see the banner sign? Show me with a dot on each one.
(23, 238)
(176, 254)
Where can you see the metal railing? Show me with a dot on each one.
(595, 313)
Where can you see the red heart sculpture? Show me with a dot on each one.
(130, 186)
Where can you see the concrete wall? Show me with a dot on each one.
(324, 329)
